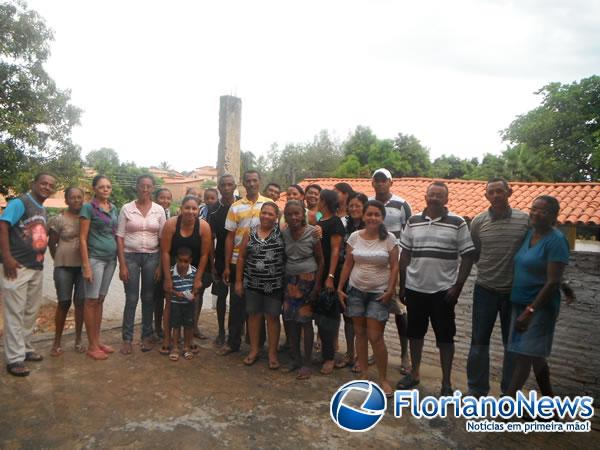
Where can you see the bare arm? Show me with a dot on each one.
(205, 238)
(336, 241)
(466, 263)
(228, 255)
(239, 271)
(405, 257)
(165, 255)
(348, 265)
(320, 268)
(10, 264)
(52, 242)
(394, 269)
(554, 273)
(84, 232)
(123, 271)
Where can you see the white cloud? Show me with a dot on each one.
(149, 74)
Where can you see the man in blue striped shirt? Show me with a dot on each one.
(431, 279)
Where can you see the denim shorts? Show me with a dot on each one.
(364, 304)
(102, 273)
(259, 303)
(69, 284)
(182, 315)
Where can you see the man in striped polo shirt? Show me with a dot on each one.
(397, 213)
(432, 279)
(497, 234)
(243, 215)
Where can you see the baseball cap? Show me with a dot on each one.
(386, 173)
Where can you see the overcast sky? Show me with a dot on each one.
(148, 74)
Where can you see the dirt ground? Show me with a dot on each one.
(146, 401)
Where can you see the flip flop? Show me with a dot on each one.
(274, 365)
(56, 351)
(188, 355)
(195, 348)
(106, 348)
(250, 361)
(224, 351)
(407, 382)
(80, 348)
(97, 355)
(33, 357)
(17, 369)
(164, 350)
(174, 355)
(304, 373)
(327, 368)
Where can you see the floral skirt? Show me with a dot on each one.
(296, 300)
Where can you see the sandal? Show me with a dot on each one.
(164, 350)
(356, 368)
(327, 368)
(224, 351)
(80, 348)
(345, 361)
(56, 351)
(97, 355)
(250, 361)
(174, 355)
(146, 345)
(17, 369)
(274, 365)
(407, 382)
(106, 348)
(33, 357)
(188, 355)
(195, 348)
(304, 373)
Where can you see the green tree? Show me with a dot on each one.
(36, 117)
(123, 176)
(295, 162)
(452, 167)
(414, 154)
(564, 130)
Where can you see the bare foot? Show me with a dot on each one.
(126, 348)
(56, 350)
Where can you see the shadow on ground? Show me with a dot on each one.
(146, 401)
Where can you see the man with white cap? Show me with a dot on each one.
(397, 213)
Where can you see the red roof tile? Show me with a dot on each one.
(580, 202)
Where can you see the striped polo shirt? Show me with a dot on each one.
(242, 216)
(435, 245)
(497, 239)
(182, 283)
(397, 213)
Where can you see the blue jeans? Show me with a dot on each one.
(140, 266)
(487, 304)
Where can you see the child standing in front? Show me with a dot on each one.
(182, 303)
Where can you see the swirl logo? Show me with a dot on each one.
(358, 419)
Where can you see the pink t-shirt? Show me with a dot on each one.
(371, 271)
(141, 234)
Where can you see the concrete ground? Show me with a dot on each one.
(146, 401)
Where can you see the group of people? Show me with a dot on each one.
(327, 254)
